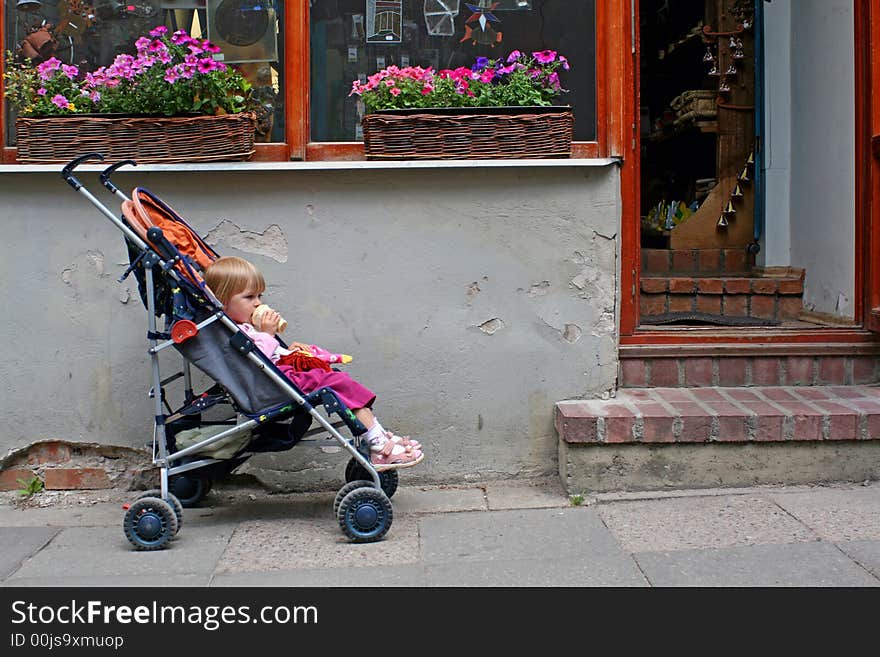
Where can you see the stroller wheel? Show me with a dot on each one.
(172, 499)
(150, 523)
(189, 489)
(354, 471)
(345, 490)
(365, 514)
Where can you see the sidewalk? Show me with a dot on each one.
(520, 533)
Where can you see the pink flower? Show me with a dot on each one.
(513, 56)
(60, 101)
(47, 69)
(395, 91)
(206, 65)
(427, 89)
(210, 47)
(159, 30)
(41, 91)
(544, 56)
(70, 71)
(389, 83)
(180, 37)
(142, 44)
(171, 75)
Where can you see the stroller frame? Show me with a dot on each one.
(362, 505)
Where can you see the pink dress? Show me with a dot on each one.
(350, 392)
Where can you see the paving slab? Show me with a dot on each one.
(92, 515)
(19, 543)
(98, 553)
(293, 543)
(398, 575)
(837, 514)
(683, 523)
(591, 569)
(814, 564)
(865, 553)
(527, 495)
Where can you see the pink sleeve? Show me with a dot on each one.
(265, 342)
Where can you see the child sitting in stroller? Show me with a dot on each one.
(239, 286)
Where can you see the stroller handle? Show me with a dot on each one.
(106, 173)
(67, 171)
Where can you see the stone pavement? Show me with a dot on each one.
(514, 533)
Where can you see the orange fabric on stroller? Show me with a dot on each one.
(144, 211)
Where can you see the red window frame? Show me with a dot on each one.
(614, 56)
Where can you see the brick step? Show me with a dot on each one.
(704, 261)
(722, 415)
(765, 297)
(639, 369)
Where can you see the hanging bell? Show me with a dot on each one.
(730, 209)
(737, 191)
(731, 70)
(722, 222)
(724, 87)
(732, 43)
(747, 24)
(738, 54)
(713, 71)
(708, 57)
(744, 174)
(751, 159)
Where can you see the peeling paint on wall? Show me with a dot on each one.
(270, 243)
(491, 326)
(572, 333)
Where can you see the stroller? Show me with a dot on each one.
(265, 411)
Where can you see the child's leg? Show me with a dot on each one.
(369, 420)
(386, 453)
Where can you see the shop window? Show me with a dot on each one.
(352, 39)
(91, 35)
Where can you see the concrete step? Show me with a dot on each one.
(723, 415)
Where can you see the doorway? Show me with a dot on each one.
(702, 180)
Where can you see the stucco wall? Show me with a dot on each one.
(471, 299)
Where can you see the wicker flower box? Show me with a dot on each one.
(145, 139)
(462, 133)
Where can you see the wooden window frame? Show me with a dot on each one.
(614, 54)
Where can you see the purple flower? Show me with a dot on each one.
(180, 37)
(513, 56)
(564, 62)
(159, 30)
(480, 64)
(210, 47)
(41, 91)
(171, 75)
(70, 71)
(142, 43)
(60, 101)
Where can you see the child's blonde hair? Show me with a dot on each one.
(231, 275)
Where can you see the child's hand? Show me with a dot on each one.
(299, 346)
(270, 323)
